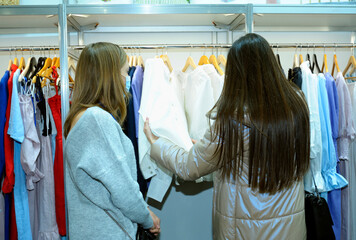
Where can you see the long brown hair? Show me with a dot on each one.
(98, 82)
(257, 101)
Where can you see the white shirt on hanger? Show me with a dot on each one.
(310, 90)
(179, 82)
(217, 81)
(198, 100)
(160, 104)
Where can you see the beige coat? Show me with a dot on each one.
(238, 211)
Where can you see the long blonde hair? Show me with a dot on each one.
(98, 82)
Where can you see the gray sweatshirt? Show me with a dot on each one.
(100, 174)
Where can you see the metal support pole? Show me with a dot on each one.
(249, 19)
(63, 48)
(353, 41)
(81, 38)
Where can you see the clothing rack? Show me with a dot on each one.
(273, 45)
(165, 46)
(37, 49)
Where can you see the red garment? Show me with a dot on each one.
(13, 226)
(55, 105)
(9, 180)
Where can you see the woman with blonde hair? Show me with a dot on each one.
(103, 196)
(258, 146)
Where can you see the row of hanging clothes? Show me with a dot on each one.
(331, 98)
(190, 92)
(32, 204)
(176, 101)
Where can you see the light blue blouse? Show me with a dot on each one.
(16, 131)
(332, 179)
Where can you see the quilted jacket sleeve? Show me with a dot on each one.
(188, 165)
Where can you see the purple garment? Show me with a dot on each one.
(334, 196)
(334, 108)
(346, 135)
(346, 125)
(136, 86)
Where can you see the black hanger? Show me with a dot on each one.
(33, 64)
(40, 64)
(311, 66)
(316, 63)
(279, 60)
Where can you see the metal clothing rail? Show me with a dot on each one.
(164, 46)
(37, 49)
(28, 49)
(273, 45)
(313, 45)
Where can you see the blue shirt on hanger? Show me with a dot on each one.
(3, 99)
(16, 131)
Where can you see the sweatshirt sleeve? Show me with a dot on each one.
(104, 164)
(188, 165)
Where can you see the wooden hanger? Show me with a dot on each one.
(325, 64)
(16, 61)
(350, 78)
(9, 66)
(350, 63)
(140, 61)
(189, 62)
(214, 61)
(24, 72)
(71, 64)
(335, 64)
(134, 61)
(301, 59)
(54, 61)
(44, 82)
(130, 61)
(222, 60)
(47, 64)
(295, 61)
(22, 63)
(166, 60)
(47, 73)
(203, 60)
(58, 63)
(71, 81)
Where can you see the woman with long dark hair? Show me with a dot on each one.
(258, 144)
